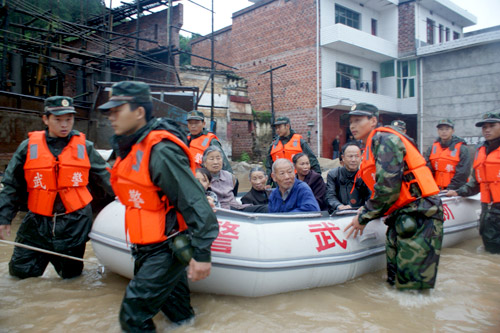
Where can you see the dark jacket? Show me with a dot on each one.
(255, 197)
(318, 187)
(338, 189)
(169, 171)
(463, 168)
(69, 230)
(305, 149)
(300, 199)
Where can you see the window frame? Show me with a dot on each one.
(355, 16)
(430, 31)
(407, 75)
(342, 77)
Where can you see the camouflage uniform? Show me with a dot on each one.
(489, 221)
(412, 257)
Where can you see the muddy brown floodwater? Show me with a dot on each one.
(466, 299)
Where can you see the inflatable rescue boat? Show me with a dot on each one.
(264, 254)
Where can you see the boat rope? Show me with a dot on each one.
(34, 248)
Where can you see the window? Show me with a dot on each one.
(387, 69)
(346, 16)
(441, 28)
(374, 27)
(407, 72)
(348, 76)
(456, 35)
(374, 82)
(430, 31)
(447, 34)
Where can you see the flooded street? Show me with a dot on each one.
(466, 299)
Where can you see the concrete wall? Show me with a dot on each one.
(461, 85)
(422, 15)
(232, 109)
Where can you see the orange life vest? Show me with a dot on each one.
(198, 146)
(289, 150)
(444, 163)
(145, 209)
(47, 176)
(487, 168)
(418, 173)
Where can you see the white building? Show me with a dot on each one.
(368, 53)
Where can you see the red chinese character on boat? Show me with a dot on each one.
(448, 214)
(227, 232)
(325, 236)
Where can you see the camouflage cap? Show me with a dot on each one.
(127, 92)
(195, 115)
(361, 109)
(281, 120)
(447, 122)
(59, 105)
(399, 123)
(490, 117)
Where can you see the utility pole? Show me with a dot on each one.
(137, 26)
(271, 70)
(212, 71)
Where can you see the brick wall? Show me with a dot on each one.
(406, 32)
(242, 138)
(268, 34)
(222, 49)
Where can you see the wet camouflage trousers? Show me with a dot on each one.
(412, 258)
(489, 227)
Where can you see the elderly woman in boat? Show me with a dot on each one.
(291, 195)
(223, 181)
(311, 178)
(258, 194)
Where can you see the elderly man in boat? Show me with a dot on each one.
(344, 190)
(404, 190)
(291, 194)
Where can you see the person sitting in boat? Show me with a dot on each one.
(311, 178)
(258, 195)
(223, 181)
(205, 177)
(484, 180)
(291, 194)
(340, 193)
(286, 144)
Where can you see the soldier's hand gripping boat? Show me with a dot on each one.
(264, 254)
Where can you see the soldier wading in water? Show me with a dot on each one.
(404, 190)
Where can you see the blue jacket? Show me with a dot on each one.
(300, 199)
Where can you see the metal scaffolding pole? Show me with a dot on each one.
(271, 70)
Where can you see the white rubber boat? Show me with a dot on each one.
(264, 254)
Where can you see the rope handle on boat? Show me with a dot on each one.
(100, 267)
